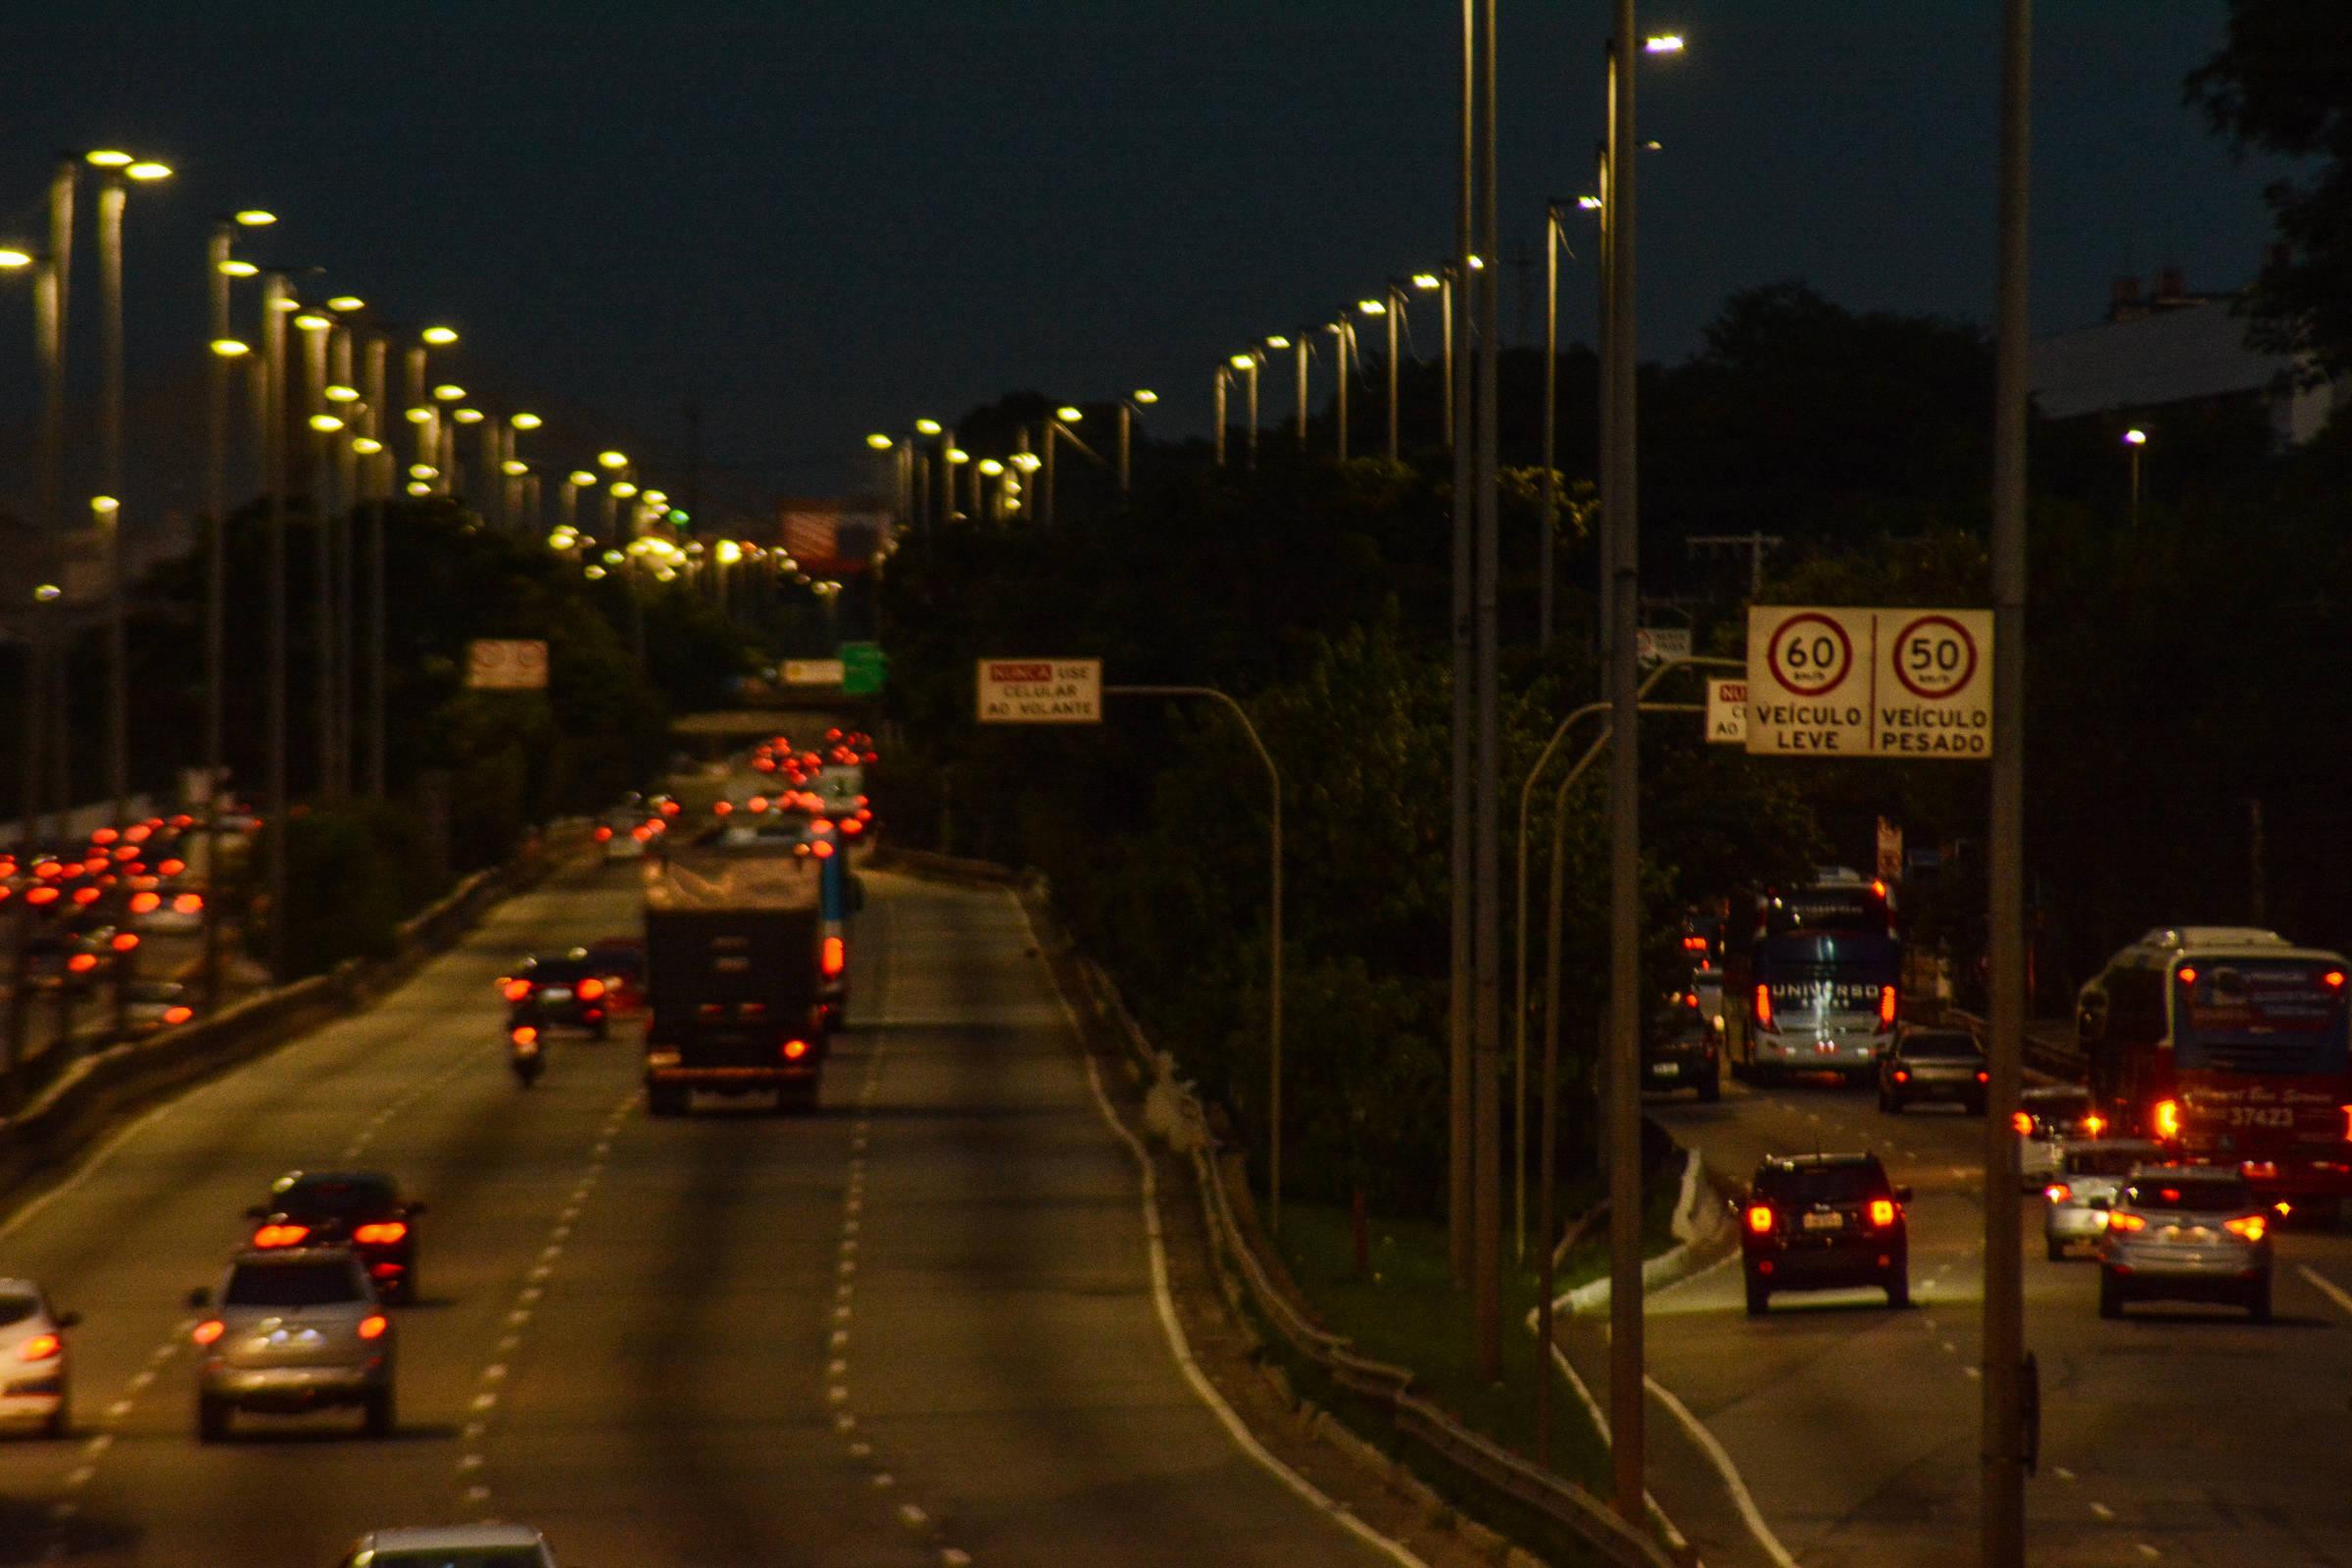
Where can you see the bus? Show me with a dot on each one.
(1813, 984)
(2230, 1043)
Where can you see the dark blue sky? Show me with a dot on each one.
(819, 218)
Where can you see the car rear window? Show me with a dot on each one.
(17, 1308)
(336, 1200)
(321, 1283)
(1826, 1184)
(459, 1557)
(1941, 1047)
(2104, 1161)
(2190, 1194)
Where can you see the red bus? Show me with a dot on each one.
(2231, 1042)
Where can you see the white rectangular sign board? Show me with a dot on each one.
(1727, 712)
(1654, 645)
(1041, 690)
(505, 665)
(814, 671)
(1899, 683)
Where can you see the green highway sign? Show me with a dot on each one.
(864, 668)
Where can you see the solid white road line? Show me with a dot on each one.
(1178, 1347)
(2334, 1292)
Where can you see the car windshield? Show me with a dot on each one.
(2104, 1161)
(1826, 1184)
(330, 1199)
(2188, 1194)
(459, 1557)
(1941, 1047)
(17, 1308)
(323, 1282)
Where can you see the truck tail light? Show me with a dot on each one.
(280, 1235)
(373, 1326)
(2126, 1221)
(2166, 1118)
(590, 989)
(40, 1348)
(380, 1233)
(836, 955)
(2022, 1122)
(1759, 1219)
(1887, 1006)
(525, 1035)
(795, 1050)
(2250, 1226)
(1764, 1005)
(1881, 1211)
(516, 989)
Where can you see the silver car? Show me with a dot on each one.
(455, 1547)
(2048, 1116)
(291, 1330)
(33, 1355)
(2188, 1232)
(2083, 1187)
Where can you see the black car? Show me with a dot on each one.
(359, 1209)
(560, 991)
(1945, 1064)
(1681, 1049)
(1818, 1222)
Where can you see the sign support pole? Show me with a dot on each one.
(2002, 1439)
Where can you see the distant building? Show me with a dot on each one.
(2172, 349)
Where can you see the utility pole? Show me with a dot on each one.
(1459, 1225)
(1554, 238)
(2002, 1440)
(1486, 955)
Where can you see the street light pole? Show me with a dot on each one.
(2136, 442)
(112, 197)
(378, 517)
(1460, 1127)
(1338, 348)
(1222, 372)
(1487, 956)
(1554, 238)
(273, 444)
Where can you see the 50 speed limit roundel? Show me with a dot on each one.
(1810, 654)
(1935, 656)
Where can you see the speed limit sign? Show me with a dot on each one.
(1841, 682)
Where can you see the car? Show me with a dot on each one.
(149, 1005)
(451, 1546)
(2082, 1190)
(621, 962)
(556, 991)
(625, 835)
(1933, 1064)
(2048, 1118)
(34, 1389)
(168, 905)
(2187, 1233)
(1683, 1049)
(361, 1210)
(1817, 1222)
(70, 959)
(291, 1330)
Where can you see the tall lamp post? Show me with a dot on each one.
(1217, 398)
(1555, 240)
(1131, 406)
(1438, 283)
(1389, 306)
(1246, 366)
(2135, 443)
(1343, 339)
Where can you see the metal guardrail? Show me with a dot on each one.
(1390, 1388)
(2049, 1048)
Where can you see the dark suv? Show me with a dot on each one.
(359, 1209)
(1815, 1222)
(1933, 1064)
(558, 991)
(1683, 1051)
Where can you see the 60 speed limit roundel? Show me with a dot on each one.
(1935, 656)
(1810, 654)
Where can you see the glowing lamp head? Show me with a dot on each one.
(149, 171)
(1069, 413)
(1664, 43)
(526, 422)
(1146, 396)
(468, 415)
(612, 460)
(927, 428)
(347, 302)
(1278, 341)
(106, 157)
(880, 442)
(1425, 281)
(438, 336)
(2135, 438)
(341, 394)
(313, 323)
(448, 392)
(323, 423)
(13, 258)
(367, 446)
(256, 218)
(1372, 306)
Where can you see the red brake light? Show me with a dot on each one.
(602, 833)
(82, 962)
(1901, 1076)
(2124, 1220)
(143, 903)
(124, 941)
(723, 808)
(670, 808)
(373, 1326)
(516, 989)
(40, 1348)
(822, 849)
(758, 804)
(2333, 979)
(1694, 944)
(280, 1235)
(525, 1035)
(589, 988)
(178, 1014)
(1983, 1077)
(2166, 1118)
(379, 1233)
(105, 835)
(2022, 1122)
(1759, 1218)
(85, 895)
(1764, 1005)
(188, 903)
(1881, 1211)
(795, 1050)
(41, 894)
(209, 1330)
(852, 825)
(2095, 1124)
(2058, 1192)
(2250, 1226)
(2187, 975)
(171, 867)
(836, 955)
(1887, 1006)
(644, 831)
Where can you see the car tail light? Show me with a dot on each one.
(2187, 975)
(124, 941)
(2346, 1110)
(2096, 1124)
(280, 1235)
(822, 849)
(41, 895)
(82, 962)
(724, 808)
(211, 1329)
(188, 903)
(2166, 1118)
(836, 954)
(1764, 1005)
(795, 1050)
(2250, 1226)
(380, 1233)
(643, 831)
(602, 833)
(1983, 1077)
(171, 867)
(2259, 1170)
(852, 825)
(1759, 1219)
(1901, 1076)
(40, 1348)
(589, 988)
(2022, 1122)
(1887, 1006)
(2333, 979)
(373, 1326)
(85, 895)
(178, 1014)
(757, 804)
(670, 808)
(2124, 1220)
(1881, 1211)
(516, 989)
(105, 835)
(525, 1035)
(2057, 1192)
(145, 903)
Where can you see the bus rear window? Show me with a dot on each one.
(2237, 997)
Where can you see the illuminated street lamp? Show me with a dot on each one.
(2136, 442)
(1129, 406)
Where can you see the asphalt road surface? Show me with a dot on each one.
(913, 1328)
(2182, 1433)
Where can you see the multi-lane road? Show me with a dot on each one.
(2182, 1433)
(914, 1328)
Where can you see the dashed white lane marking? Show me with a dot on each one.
(99, 1444)
(2147, 1551)
(2332, 1291)
(951, 1557)
(883, 1478)
(1157, 1258)
(484, 1400)
(2062, 1472)
(2103, 1510)
(915, 1517)
(81, 1477)
(471, 1461)
(478, 1494)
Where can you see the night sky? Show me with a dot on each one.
(821, 218)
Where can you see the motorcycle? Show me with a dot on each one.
(526, 1057)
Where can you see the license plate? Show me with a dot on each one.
(555, 994)
(1666, 1069)
(1824, 1222)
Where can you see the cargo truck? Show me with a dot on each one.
(732, 946)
